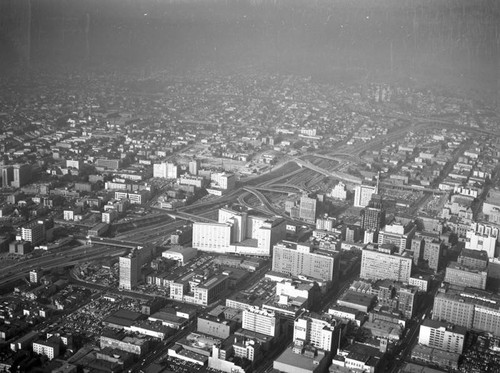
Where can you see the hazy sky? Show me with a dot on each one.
(459, 38)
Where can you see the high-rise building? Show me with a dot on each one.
(482, 237)
(35, 275)
(261, 321)
(407, 296)
(372, 218)
(160, 170)
(22, 175)
(193, 167)
(397, 234)
(307, 209)
(443, 336)
(326, 224)
(34, 232)
(384, 263)
(214, 237)
(238, 221)
(321, 331)
(49, 348)
(363, 195)
(301, 259)
(239, 232)
(370, 236)
(172, 171)
(457, 274)
(433, 252)
(470, 308)
(352, 233)
(417, 247)
(129, 271)
(453, 308)
(7, 176)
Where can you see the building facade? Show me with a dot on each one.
(443, 336)
(129, 271)
(261, 321)
(300, 259)
(384, 263)
(363, 195)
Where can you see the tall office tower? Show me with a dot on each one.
(238, 221)
(385, 263)
(363, 195)
(482, 237)
(322, 331)
(22, 175)
(433, 252)
(352, 233)
(376, 201)
(417, 246)
(372, 218)
(261, 321)
(398, 234)
(297, 259)
(463, 276)
(7, 176)
(307, 209)
(160, 170)
(172, 171)
(194, 166)
(443, 336)
(129, 271)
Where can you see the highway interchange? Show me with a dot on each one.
(164, 225)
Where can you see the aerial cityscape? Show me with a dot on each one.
(250, 186)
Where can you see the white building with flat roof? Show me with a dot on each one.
(442, 335)
(363, 195)
(482, 237)
(260, 321)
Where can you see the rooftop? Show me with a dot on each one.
(301, 361)
(436, 324)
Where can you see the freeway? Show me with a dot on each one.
(335, 174)
(263, 200)
(191, 217)
(55, 261)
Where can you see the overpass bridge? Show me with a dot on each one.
(335, 174)
(281, 189)
(267, 205)
(190, 217)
